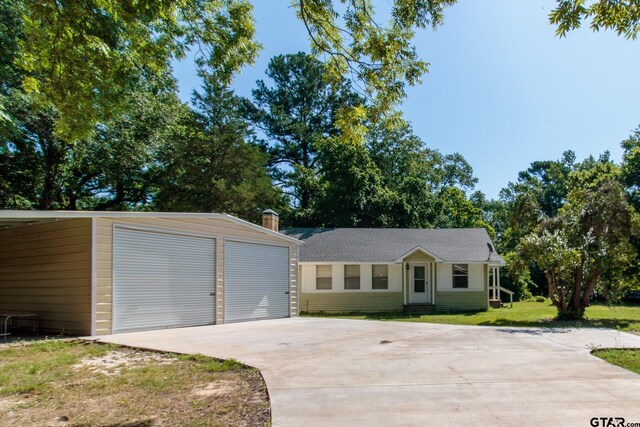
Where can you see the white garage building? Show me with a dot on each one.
(110, 272)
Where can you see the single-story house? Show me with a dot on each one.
(370, 270)
(109, 272)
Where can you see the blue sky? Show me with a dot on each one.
(502, 89)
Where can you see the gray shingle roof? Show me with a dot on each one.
(390, 244)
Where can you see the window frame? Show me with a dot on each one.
(386, 277)
(464, 276)
(330, 277)
(359, 276)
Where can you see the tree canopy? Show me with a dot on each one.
(83, 58)
(588, 240)
(623, 17)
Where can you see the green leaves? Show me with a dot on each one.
(84, 57)
(380, 57)
(206, 163)
(588, 241)
(631, 166)
(623, 17)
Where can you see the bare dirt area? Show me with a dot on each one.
(65, 384)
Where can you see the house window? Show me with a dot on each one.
(323, 277)
(352, 276)
(379, 277)
(460, 273)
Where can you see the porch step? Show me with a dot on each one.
(419, 308)
(495, 303)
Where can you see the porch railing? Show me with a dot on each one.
(510, 293)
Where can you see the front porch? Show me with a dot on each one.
(494, 289)
(429, 284)
(419, 279)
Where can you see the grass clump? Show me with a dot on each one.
(627, 358)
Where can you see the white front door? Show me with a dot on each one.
(419, 284)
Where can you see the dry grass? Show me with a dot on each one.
(58, 383)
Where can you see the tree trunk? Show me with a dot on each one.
(591, 285)
(553, 291)
(577, 286)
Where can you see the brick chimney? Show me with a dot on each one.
(270, 220)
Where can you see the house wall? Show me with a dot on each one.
(216, 228)
(339, 300)
(46, 269)
(475, 297)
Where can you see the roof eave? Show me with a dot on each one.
(26, 215)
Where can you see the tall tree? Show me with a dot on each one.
(425, 188)
(630, 177)
(109, 170)
(352, 194)
(631, 166)
(296, 112)
(82, 58)
(208, 165)
(588, 239)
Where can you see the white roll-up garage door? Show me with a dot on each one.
(256, 281)
(162, 280)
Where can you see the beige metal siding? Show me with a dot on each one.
(344, 302)
(46, 268)
(218, 228)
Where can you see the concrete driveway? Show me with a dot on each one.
(334, 372)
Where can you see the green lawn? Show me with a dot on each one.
(628, 358)
(525, 314)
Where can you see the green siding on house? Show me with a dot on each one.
(461, 300)
(464, 300)
(344, 302)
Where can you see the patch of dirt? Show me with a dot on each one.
(8, 403)
(113, 362)
(160, 390)
(217, 389)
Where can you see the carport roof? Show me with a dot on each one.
(10, 218)
(393, 245)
